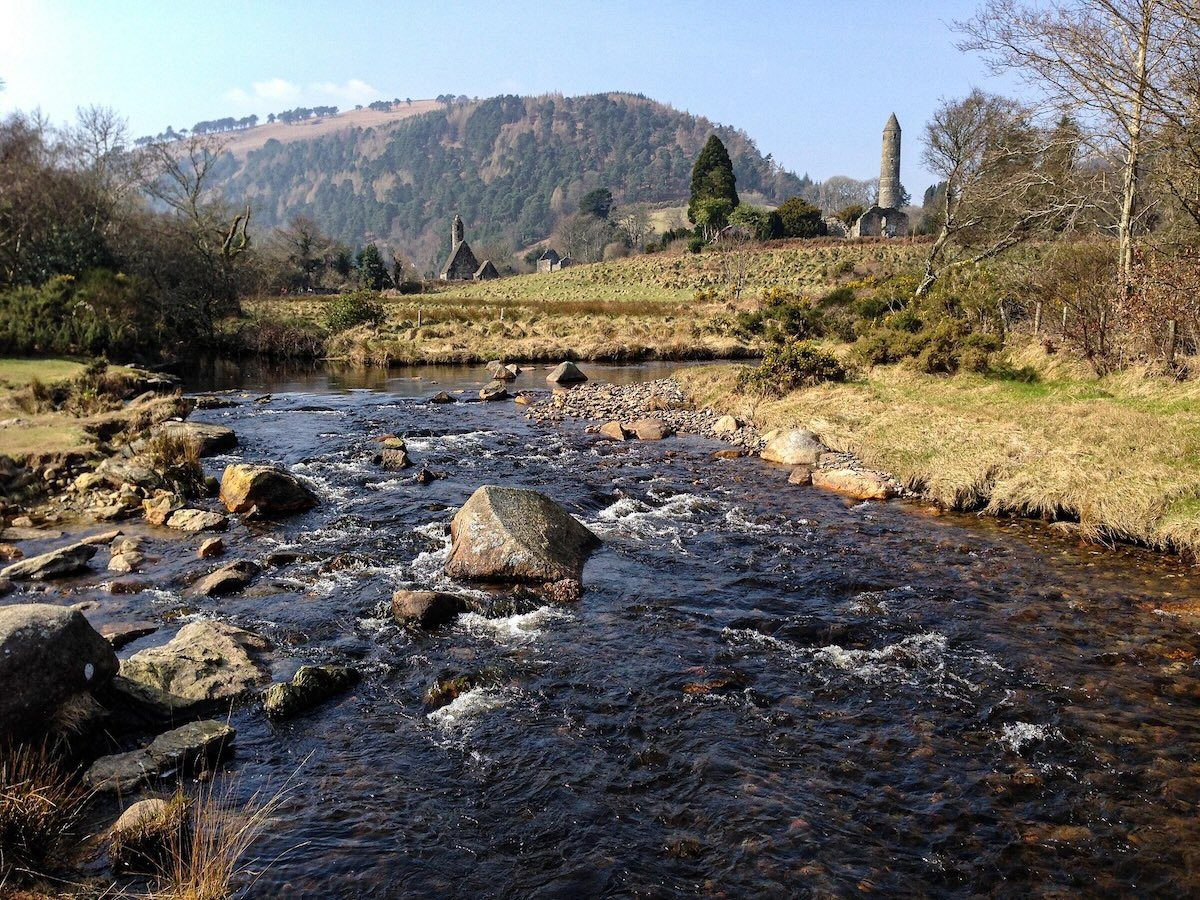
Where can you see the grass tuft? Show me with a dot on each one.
(41, 802)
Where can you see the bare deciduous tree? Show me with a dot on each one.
(1105, 61)
(1006, 179)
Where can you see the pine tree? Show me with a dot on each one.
(372, 273)
(712, 177)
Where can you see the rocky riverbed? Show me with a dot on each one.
(746, 686)
(662, 408)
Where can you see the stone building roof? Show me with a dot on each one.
(461, 263)
(486, 271)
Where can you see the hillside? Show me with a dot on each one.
(511, 166)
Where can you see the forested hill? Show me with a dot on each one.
(510, 166)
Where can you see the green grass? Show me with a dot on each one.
(1121, 455)
(15, 372)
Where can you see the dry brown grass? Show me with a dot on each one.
(41, 803)
(207, 860)
(1120, 455)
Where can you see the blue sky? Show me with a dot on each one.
(811, 82)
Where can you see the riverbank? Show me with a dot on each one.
(1116, 458)
(1113, 459)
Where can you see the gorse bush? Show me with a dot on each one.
(97, 313)
(352, 310)
(790, 367)
(945, 346)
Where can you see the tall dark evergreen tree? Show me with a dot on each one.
(712, 177)
(372, 273)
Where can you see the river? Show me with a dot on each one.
(764, 690)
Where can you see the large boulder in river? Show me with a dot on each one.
(270, 490)
(795, 447)
(493, 390)
(68, 560)
(207, 439)
(206, 662)
(47, 654)
(514, 534)
(192, 747)
(566, 373)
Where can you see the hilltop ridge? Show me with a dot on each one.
(513, 167)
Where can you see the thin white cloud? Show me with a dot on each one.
(276, 93)
(353, 91)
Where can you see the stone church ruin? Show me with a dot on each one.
(461, 264)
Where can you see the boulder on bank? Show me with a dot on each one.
(142, 839)
(515, 534)
(726, 425)
(207, 439)
(310, 686)
(566, 373)
(853, 483)
(270, 490)
(795, 447)
(159, 508)
(426, 609)
(47, 654)
(206, 662)
(651, 429)
(614, 431)
(67, 560)
(228, 579)
(194, 746)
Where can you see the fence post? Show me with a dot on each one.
(420, 316)
(1172, 336)
(502, 314)
(1037, 317)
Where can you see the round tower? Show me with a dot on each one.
(889, 165)
(456, 231)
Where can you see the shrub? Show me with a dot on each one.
(207, 860)
(358, 308)
(696, 244)
(783, 319)
(790, 367)
(798, 218)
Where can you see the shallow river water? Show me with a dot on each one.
(764, 690)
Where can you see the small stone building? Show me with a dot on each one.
(880, 222)
(461, 264)
(486, 272)
(550, 261)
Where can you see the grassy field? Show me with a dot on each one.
(664, 306)
(35, 432)
(1120, 455)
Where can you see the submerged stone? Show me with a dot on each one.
(310, 686)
